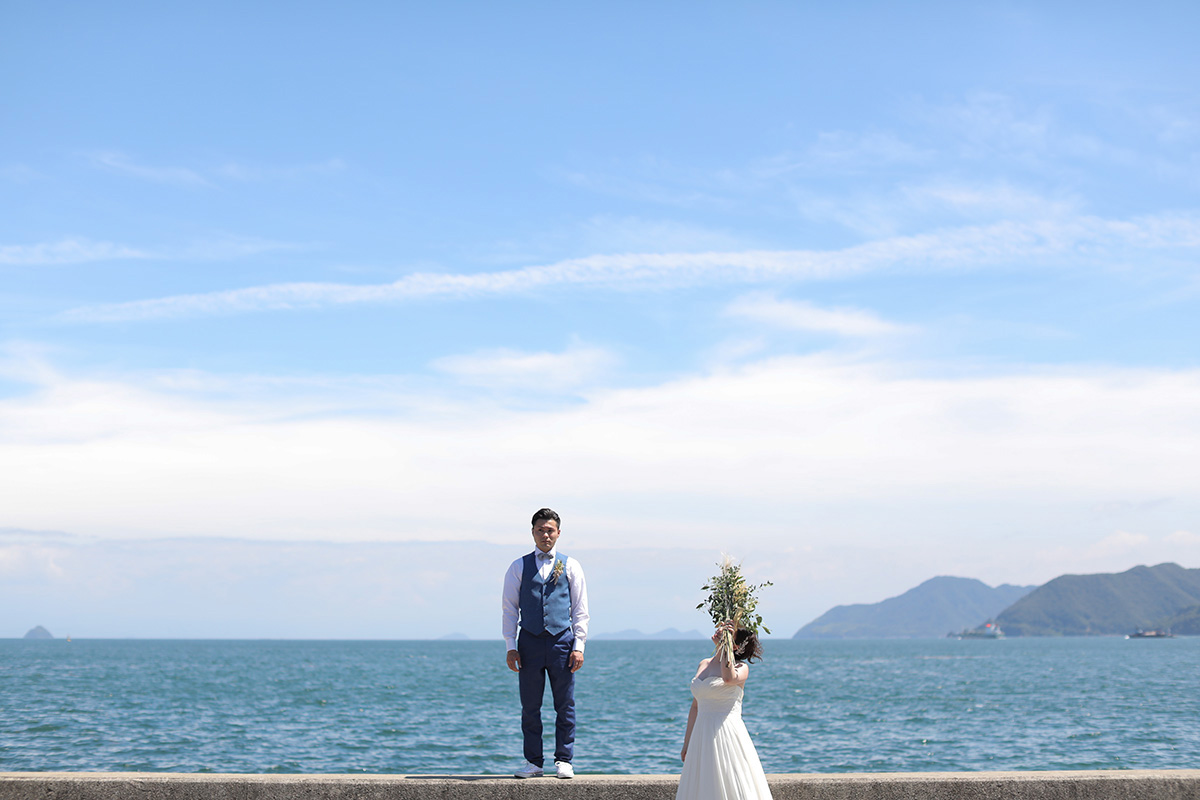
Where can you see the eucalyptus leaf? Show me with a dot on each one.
(731, 599)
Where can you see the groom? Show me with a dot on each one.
(544, 592)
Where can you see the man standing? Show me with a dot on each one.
(545, 594)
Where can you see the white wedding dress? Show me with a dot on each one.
(721, 762)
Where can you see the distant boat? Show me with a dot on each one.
(1157, 633)
(988, 630)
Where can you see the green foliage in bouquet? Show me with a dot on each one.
(731, 599)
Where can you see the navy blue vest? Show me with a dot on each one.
(545, 606)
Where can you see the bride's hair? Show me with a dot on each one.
(746, 647)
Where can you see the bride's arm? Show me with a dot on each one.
(687, 737)
(736, 673)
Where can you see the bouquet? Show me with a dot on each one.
(731, 599)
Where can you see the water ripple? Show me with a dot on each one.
(372, 707)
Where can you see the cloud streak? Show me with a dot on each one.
(78, 250)
(68, 251)
(121, 164)
(233, 171)
(251, 173)
(1016, 243)
(549, 372)
(797, 315)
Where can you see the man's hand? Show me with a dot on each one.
(514, 660)
(576, 660)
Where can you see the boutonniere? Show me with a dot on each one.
(559, 566)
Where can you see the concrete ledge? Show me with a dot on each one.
(1098, 785)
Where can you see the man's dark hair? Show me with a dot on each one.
(544, 514)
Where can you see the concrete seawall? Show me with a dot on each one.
(1124, 785)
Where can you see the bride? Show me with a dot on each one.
(719, 760)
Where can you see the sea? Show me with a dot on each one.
(451, 707)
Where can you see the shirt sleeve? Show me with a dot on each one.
(579, 603)
(509, 604)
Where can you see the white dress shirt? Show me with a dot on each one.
(511, 600)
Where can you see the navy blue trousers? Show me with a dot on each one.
(547, 655)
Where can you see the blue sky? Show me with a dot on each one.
(297, 297)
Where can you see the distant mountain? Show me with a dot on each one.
(1185, 623)
(39, 633)
(633, 635)
(1082, 605)
(936, 607)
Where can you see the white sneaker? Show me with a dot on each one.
(529, 771)
(565, 770)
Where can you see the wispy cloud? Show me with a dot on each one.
(77, 250)
(68, 251)
(880, 212)
(1120, 550)
(609, 234)
(240, 171)
(798, 315)
(844, 152)
(619, 271)
(866, 213)
(937, 164)
(1012, 243)
(121, 164)
(554, 372)
(987, 124)
(652, 181)
(1176, 126)
(1184, 537)
(19, 173)
(222, 248)
(992, 199)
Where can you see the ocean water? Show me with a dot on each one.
(452, 707)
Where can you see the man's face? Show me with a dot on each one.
(545, 534)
